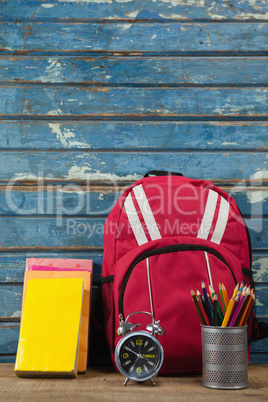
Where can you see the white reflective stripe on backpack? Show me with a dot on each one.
(221, 221)
(134, 221)
(147, 213)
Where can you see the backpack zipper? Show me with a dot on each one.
(164, 250)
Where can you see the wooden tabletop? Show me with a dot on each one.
(101, 384)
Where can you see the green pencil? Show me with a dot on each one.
(222, 298)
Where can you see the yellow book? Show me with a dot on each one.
(84, 327)
(50, 327)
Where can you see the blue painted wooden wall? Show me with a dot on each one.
(94, 94)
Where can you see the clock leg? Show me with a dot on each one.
(152, 381)
(126, 381)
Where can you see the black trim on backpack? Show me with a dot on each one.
(106, 279)
(263, 330)
(162, 173)
(248, 273)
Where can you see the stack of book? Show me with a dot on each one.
(55, 315)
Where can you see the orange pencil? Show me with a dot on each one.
(249, 310)
(242, 319)
(210, 293)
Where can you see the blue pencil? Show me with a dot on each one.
(204, 290)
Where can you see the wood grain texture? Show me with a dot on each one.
(192, 37)
(105, 384)
(130, 166)
(100, 102)
(127, 70)
(80, 200)
(134, 135)
(133, 10)
(80, 233)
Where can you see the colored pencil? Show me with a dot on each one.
(197, 307)
(222, 298)
(228, 312)
(208, 309)
(219, 310)
(238, 307)
(201, 298)
(249, 310)
(202, 307)
(225, 296)
(235, 290)
(247, 295)
(211, 293)
(245, 309)
(215, 310)
(236, 302)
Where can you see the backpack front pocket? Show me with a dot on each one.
(173, 269)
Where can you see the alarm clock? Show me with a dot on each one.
(139, 355)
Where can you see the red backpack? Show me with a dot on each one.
(180, 232)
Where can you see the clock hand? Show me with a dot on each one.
(132, 351)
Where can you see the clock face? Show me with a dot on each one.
(139, 356)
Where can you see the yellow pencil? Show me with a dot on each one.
(225, 297)
(236, 290)
(228, 312)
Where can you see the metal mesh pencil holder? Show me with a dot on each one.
(224, 357)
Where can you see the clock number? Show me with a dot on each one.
(138, 370)
(139, 342)
(125, 356)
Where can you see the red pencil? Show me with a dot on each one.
(201, 307)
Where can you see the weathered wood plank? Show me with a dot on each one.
(9, 337)
(260, 346)
(130, 166)
(46, 199)
(133, 102)
(77, 233)
(133, 135)
(260, 271)
(260, 358)
(133, 10)
(261, 305)
(125, 37)
(11, 296)
(133, 70)
(12, 265)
